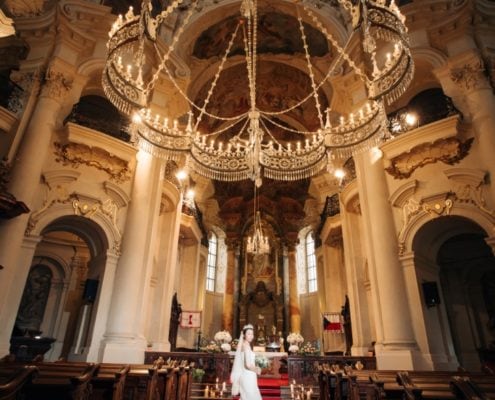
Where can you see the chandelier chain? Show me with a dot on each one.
(310, 67)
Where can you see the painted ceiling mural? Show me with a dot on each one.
(277, 34)
(279, 87)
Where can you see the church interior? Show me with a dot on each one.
(321, 169)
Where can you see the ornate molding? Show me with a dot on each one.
(76, 154)
(449, 151)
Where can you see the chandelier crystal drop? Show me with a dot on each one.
(258, 243)
(138, 57)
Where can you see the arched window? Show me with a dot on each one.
(311, 263)
(211, 268)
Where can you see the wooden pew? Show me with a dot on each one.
(61, 381)
(109, 381)
(13, 379)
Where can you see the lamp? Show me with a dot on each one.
(136, 61)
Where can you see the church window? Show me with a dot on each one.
(211, 268)
(311, 263)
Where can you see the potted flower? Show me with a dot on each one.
(197, 374)
(294, 339)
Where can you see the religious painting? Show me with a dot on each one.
(261, 266)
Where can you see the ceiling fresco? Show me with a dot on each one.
(279, 87)
(277, 34)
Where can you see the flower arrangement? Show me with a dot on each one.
(261, 361)
(211, 347)
(225, 347)
(223, 337)
(293, 348)
(294, 338)
(310, 348)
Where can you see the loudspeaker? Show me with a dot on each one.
(430, 292)
(90, 290)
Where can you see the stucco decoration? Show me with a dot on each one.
(76, 154)
(449, 151)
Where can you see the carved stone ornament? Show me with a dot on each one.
(77, 154)
(448, 151)
(413, 207)
(470, 76)
(56, 84)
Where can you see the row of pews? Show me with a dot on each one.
(350, 384)
(170, 380)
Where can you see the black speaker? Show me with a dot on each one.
(430, 292)
(90, 290)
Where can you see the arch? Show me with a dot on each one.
(108, 237)
(470, 212)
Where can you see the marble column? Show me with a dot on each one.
(124, 337)
(463, 79)
(294, 308)
(397, 348)
(24, 185)
(228, 298)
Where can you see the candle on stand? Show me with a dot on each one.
(207, 391)
(224, 386)
(216, 384)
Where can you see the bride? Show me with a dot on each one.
(244, 370)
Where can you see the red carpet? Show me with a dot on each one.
(270, 387)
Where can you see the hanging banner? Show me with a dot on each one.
(190, 319)
(333, 322)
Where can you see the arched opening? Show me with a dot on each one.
(451, 254)
(61, 292)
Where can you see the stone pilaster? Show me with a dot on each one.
(24, 185)
(465, 81)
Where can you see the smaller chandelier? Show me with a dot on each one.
(258, 243)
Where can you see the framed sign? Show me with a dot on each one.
(190, 319)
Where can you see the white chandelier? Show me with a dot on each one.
(132, 71)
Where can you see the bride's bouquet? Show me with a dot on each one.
(261, 361)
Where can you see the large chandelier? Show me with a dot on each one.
(137, 59)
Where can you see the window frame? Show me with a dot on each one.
(311, 270)
(211, 263)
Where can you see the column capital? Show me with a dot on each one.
(57, 82)
(465, 72)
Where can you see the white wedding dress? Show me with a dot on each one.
(248, 380)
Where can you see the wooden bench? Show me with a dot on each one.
(13, 379)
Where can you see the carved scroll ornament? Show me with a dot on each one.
(76, 154)
(448, 151)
